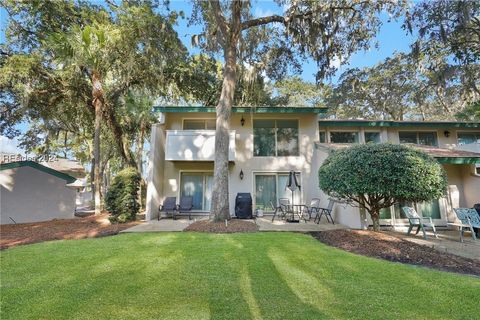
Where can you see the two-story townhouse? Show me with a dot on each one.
(267, 143)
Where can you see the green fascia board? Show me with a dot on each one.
(458, 160)
(416, 124)
(170, 109)
(53, 172)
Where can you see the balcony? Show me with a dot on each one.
(194, 145)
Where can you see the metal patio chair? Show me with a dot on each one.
(169, 206)
(325, 211)
(185, 206)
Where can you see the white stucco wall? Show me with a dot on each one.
(31, 195)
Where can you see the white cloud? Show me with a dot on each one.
(10, 146)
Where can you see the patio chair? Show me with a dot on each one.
(169, 206)
(312, 209)
(325, 211)
(469, 219)
(185, 206)
(416, 221)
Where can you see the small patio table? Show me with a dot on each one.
(294, 209)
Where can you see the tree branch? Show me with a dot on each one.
(222, 22)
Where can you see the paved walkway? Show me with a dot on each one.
(264, 224)
(448, 241)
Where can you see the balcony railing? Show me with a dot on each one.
(194, 145)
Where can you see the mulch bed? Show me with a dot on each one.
(220, 227)
(383, 246)
(87, 227)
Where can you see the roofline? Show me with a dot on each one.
(389, 123)
(38, 166)
(458, 160)
(171, 109)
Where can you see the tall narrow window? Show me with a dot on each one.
(275, 138)
(199, 186)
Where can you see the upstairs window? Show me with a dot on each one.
(344, 137)
(275, 138)
(422, 138)
(372, 137)
(468, 138)
(199, 124)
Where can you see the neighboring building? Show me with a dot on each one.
(32, 192)
(266, 143)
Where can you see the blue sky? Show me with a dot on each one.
(391, 38)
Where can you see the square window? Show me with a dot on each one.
(372, 137)
(408, 137)
(275, 138)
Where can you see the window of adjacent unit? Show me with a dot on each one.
(344, 137)
(270, 187)
(477, 169)
(372, 137)
(423, 138)
(429, 209)
(275, 138)
(468, 138)
(199, 186)
(322, 136)
(199, 124)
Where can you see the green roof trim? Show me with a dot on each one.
(168, 109)
(423, 124)
(38, 166)
(458, 160)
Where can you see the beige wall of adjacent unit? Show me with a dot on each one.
(31, 195)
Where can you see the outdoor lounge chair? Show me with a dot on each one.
(168, 206)
(325, 211)
(416, 221)
(185, 206)
(468, 219)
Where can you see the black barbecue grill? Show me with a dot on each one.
(243, 206)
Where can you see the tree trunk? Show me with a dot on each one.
(117, 131)
(220, 194)
(375, 215)
(97, 93)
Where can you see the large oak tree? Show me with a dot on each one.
(325, 31)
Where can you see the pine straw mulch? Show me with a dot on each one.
(391, 248)
(220, 227)
(77, 228)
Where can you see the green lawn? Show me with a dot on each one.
(205, 276)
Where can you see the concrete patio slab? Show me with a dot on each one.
(264, 224)
(448, 241)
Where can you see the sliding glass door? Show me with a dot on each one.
(269, 187)
(199, 186)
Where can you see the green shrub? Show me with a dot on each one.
(376, 176)
(121, 199)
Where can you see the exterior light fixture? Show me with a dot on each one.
(446, 133)
(241, 174)
(242, 121)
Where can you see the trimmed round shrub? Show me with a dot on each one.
(121, 199)
(376, 176)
